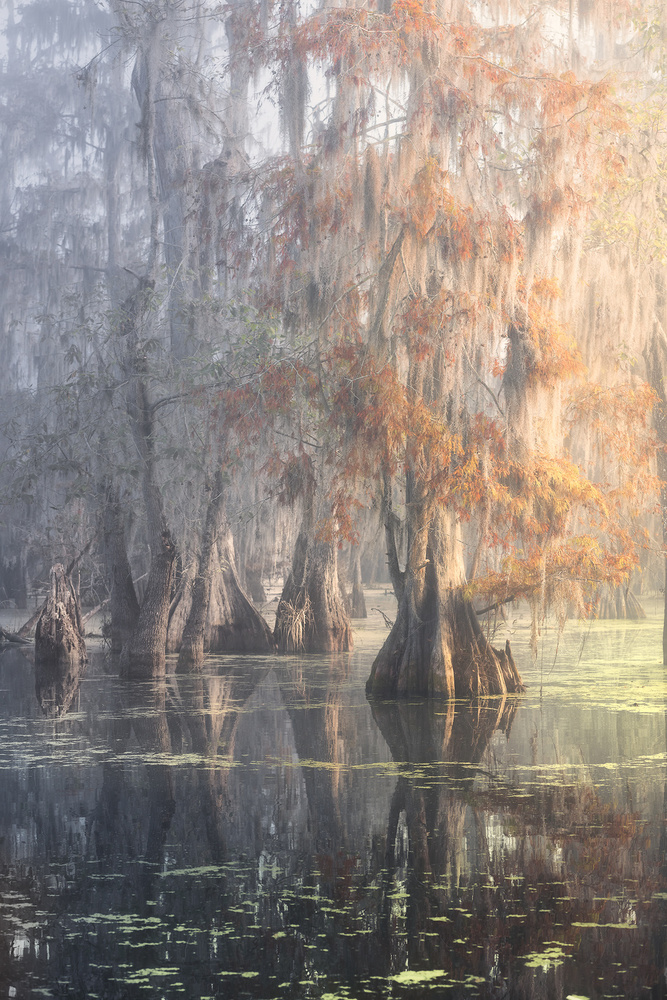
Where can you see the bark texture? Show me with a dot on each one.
(124, 606)
(59, 632)
(311, 615)
(221, 618)
(234, 623)
(193, 643)
(436, 647)
(179, 609)
(212, 606)
(143, 655)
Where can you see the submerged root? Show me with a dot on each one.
(487, 671)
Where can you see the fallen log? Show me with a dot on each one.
(93, 611)
(14, 638)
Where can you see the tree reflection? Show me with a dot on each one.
(57, 683)
(210, 706)
(266, 825)
(439, 748)
(522, 891)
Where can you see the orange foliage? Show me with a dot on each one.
(362, 397)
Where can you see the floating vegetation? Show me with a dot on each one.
(185, 867)
(197, 871)
(549, 958)
(412, 977)
(619, 926)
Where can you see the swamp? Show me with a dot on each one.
(264, 830)
(333, 499)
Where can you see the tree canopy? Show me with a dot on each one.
(358, 262)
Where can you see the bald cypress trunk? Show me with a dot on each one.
(144, 654)
(311, 615)
(358, 602)
(617, 602)
(436, 647)
(234, 623)
(180, 606)
(221, 618)
(123, 603)
(193, 643)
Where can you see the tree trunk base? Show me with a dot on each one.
(191, 657)
(312, 616)
(245, 635)
(135, 666)
(123, 604)
(59, 632)
(358, 602)
(143, 657)
(298, 631)
(617, 603)
(234, 623)
(441, 653)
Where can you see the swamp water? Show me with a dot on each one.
(263, 831)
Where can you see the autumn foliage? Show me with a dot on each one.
(414, 241)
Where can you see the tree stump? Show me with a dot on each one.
(59, 632)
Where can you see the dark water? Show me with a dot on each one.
(262, 831)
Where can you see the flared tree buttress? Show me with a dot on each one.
(436, 647)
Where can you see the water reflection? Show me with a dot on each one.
(261, 830)
(57, 683)
(438, 748)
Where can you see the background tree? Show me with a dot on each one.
(416, 234)
(421, 340)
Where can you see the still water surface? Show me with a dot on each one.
(262, 831)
